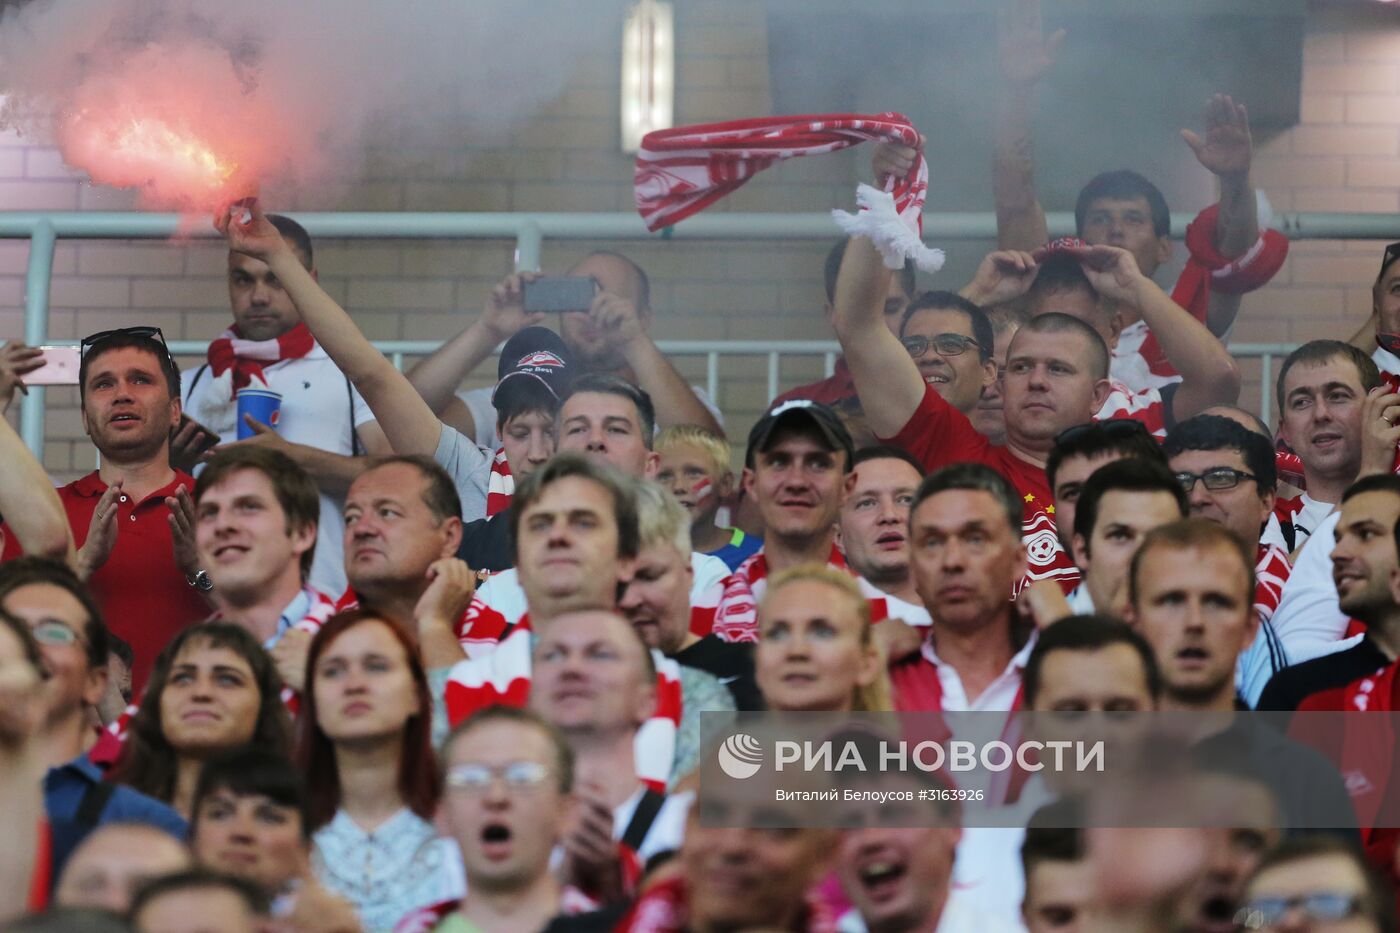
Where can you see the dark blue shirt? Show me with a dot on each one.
(64, 790)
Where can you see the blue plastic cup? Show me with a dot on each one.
(264, 405)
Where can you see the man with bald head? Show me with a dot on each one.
(105, 870)
(609, 337)
(1100, 285)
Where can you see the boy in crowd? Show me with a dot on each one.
(694, 466)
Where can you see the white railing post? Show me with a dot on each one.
(529, 244)
(38, 275)
(1266, 387)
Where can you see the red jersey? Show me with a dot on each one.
(938, 434)
(835, 388)
(1365, 754)
(145, 599)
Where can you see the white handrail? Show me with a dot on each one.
(771, 350)
(43, 229)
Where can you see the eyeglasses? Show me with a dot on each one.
(92, 340)
(1215, 479)
(943, 345)
(54, 633)
(519, 776)
(1111, 430)
(1264, 912)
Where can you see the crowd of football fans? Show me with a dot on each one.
(407, 657)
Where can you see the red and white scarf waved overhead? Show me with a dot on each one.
(682, 171)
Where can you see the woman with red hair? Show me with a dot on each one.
(365, 749)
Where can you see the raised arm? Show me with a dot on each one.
(437, 377)
(886, 377)
(622, 324)
(1209, 375)
(408, 423)
(1026, 55)
(29, 502)
(1227, 150)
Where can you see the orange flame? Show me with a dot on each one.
(155, 142)
(170, 163)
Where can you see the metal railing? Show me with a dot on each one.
(529, 231)
(771, 351)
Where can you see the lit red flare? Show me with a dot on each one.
(171, 165)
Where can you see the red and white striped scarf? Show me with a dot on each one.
(501, 485)
(735, 619)
(322, 608)
(244, 359)
(235, 364)
(1272, 572)
(682, 171)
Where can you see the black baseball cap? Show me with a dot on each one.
(538, 354)
(806, 412)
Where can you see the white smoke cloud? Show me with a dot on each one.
(196, 100)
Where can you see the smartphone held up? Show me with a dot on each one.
(559, 293)
(59, 368)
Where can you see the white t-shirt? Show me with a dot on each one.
(478, 402)
(321, 409)
(1305, 512)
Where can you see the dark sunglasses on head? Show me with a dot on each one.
(1115, 429)
(943, 345)
(1392, 253)
(92, 340)
(1261, 913)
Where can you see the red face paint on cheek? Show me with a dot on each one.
(702, 493)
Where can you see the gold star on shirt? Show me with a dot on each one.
(1030, 498)
(1049, 510)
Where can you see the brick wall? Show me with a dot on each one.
(1343, 156)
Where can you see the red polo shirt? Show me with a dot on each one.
(143, 595)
